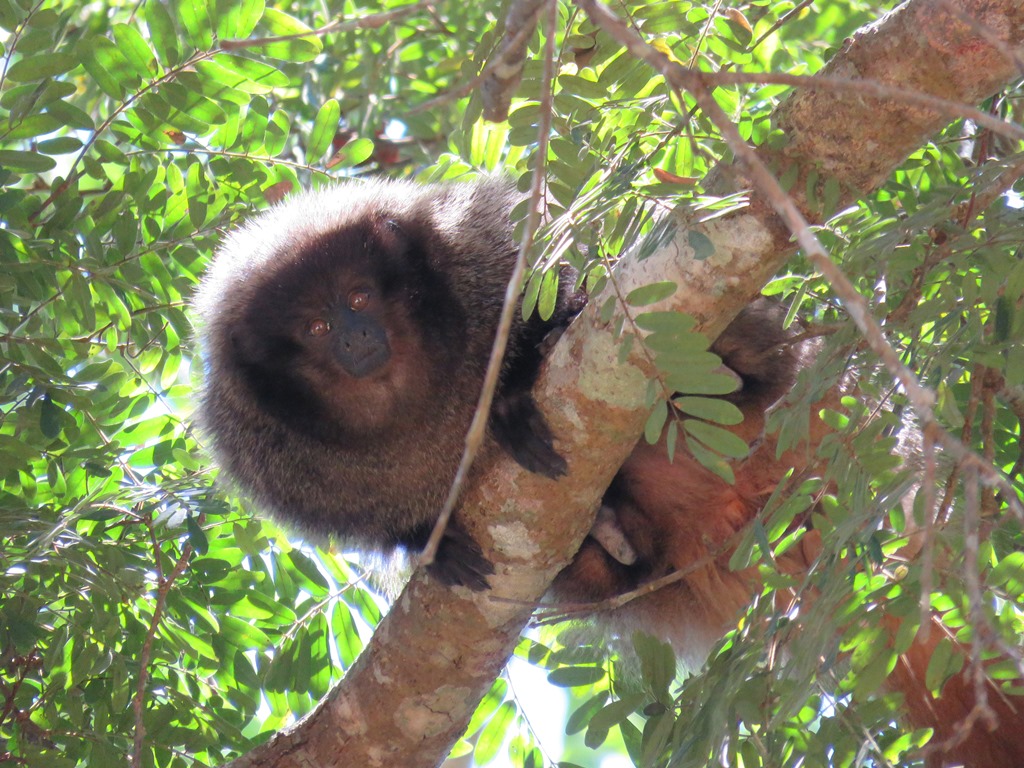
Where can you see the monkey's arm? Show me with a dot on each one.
(516, 423)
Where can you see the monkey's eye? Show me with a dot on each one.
(318, 327)
(358, 300)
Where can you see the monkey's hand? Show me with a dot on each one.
(520, 428)
(459, 560)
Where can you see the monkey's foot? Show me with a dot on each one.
(609, 534)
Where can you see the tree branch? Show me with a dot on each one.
(408, 697)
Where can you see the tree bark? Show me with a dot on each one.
(409, 696)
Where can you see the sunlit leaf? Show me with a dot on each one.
(194, 16)
(237, 18)
(108, 67)
(302, 47)
(135, 50)
(41, 66)
(163, 33)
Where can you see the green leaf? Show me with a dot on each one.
(1009, 574)
(655, 422)
(42, 66)
(279, 675)
(107, 66)
(278, 131)
(583, 714)
(488, 705)
(49, 417)
(10, 15)
(717, 439)
(1003, 318)
(580, 86)
(196, 535)
(702, 246)
(280, 24)
(236, 19)
(163, 33)
(136, 50)
(667, 322)
(709, 409)
(60, 146)
(238, 73)
(254, 127)
(183, 109)
(616, 712)
(28, 162)
(32, 126)
(194, 16)
(325, 127)
(345, 634)
(700, 383)
(576, 676)
(354, 153)
(942, 664)
(548, 298)
(783, 516)
(305, 565)
(651, 294)
(657, 665)
(710, 460)
(70, 116)
(196, 184)
(830, 195)
(493, 735)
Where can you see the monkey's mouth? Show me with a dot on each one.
(361, 353)
(361, 362)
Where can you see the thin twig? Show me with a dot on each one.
(478, 428)
(163, 588)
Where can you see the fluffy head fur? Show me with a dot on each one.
(345, 335)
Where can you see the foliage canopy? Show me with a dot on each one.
(145, 612)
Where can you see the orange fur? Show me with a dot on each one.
(679, 516)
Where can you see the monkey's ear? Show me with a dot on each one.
(390, 236)
(401, 243)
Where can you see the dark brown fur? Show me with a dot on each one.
(358, 432)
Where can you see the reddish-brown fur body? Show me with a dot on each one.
(679, 516)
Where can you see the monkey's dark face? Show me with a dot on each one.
(353, 331)
(340, 338)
